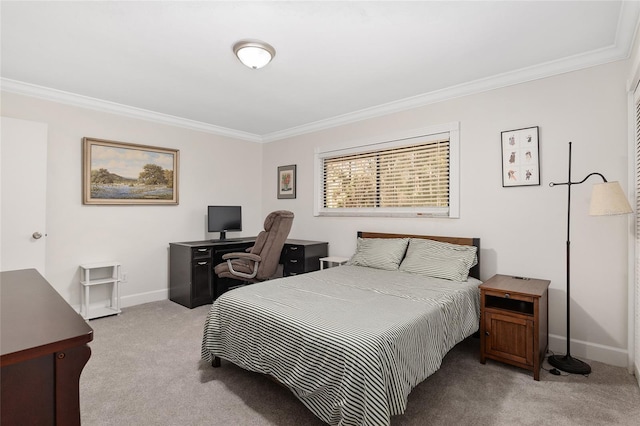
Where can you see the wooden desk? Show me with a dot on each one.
(192, 281)
(43, 349)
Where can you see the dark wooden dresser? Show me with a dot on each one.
(43, 349)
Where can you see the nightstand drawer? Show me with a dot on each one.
(509, 295)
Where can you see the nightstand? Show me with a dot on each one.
(513, 321)
(336, 260)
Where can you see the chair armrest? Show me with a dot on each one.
(239, 255)
(242, 256)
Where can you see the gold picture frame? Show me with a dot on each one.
(119, 173)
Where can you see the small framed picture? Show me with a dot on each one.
(287, 181)
(520, 157)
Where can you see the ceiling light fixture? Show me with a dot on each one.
(254, 53)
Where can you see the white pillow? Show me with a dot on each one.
(439, 260)
(380, 253)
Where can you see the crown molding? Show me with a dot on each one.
(628, 23)
(27, 89)
(524, 75)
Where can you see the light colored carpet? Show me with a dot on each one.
(145, 369)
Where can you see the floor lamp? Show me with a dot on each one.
(607, 198)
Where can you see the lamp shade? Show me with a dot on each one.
(608, 199)
(253, 53)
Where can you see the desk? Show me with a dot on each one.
(193, 283)
(302, 256)
(43, 349)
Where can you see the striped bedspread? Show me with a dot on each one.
(350, 342)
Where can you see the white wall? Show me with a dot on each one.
(522, 229)
(213, 170)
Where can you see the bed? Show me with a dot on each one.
(351, 342)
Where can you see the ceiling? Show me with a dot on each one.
(336, 62)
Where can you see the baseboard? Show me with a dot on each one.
(589, 351)
(133, 299)
(140, 298)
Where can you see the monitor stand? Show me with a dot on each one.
(223, 238)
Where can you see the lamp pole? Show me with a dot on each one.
(567, 363)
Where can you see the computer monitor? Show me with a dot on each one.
(224, 219)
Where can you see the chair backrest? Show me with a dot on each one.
(270, 242)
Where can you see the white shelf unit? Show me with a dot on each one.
(100, 273)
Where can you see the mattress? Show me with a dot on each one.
(350, 342)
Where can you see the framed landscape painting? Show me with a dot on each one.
(124, 173)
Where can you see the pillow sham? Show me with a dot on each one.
(380, 253)
(439, 260)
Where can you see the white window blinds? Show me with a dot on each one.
(409, 176)
(403, 177)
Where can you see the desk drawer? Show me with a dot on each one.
(302, 258)
(201, 253)
(290, 252)
(294, 266)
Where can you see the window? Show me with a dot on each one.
(410, 174)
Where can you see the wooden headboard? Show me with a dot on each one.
(473, 272)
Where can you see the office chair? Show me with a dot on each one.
(261, 261)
